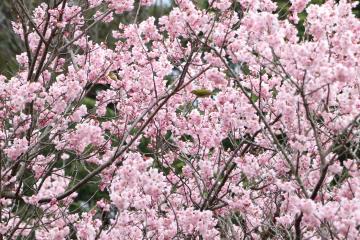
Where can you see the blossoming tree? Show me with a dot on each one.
(219, 121)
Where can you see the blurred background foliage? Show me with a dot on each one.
(10, 45)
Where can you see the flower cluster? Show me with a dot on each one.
(223, 121)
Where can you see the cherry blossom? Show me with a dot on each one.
(224, 121)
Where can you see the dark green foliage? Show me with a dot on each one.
(144, 147)
(89, 192)
(178, 165)
(282, 138)
(10, 44)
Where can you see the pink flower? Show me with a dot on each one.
(18, 147)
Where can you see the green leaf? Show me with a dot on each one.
(178, 165)
(110, 113)
(143, 146)
(88, 102)
(254, 97)
(245, 69)
(187, 138)
(274, 92)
